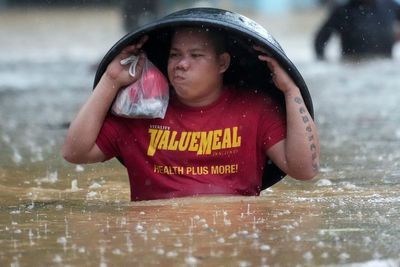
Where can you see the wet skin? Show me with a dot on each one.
(194, 68)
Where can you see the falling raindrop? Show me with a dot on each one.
(191, 260)
(74, 185)
(57, 259)
(79, 168)
(265, 247)
(308, 256)
(16, 157)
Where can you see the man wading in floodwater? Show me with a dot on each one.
(214, 140)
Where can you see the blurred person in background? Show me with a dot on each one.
(366, 28)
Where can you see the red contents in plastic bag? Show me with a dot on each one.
(133, 92)
(152, 83)
(145, 98)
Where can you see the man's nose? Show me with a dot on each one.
(183, 63)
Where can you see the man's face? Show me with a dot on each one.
(194, 68)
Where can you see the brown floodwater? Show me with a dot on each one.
(53, 213)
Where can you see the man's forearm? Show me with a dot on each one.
(302, 141)
(84, 129)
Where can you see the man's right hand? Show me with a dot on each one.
(117, 73)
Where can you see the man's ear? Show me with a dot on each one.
(224, 61)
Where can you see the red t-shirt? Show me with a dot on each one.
(217, 149)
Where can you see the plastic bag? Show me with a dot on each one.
(147, 97)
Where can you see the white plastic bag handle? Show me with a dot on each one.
(133, 60)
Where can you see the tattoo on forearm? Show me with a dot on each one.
(308, 128)
(298, 100)
(313, 147)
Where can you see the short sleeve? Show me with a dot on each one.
(272, 126)
(107, 139)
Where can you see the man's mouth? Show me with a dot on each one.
(179, 78)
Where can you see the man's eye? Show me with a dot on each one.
(173, 55)
(197, 55)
